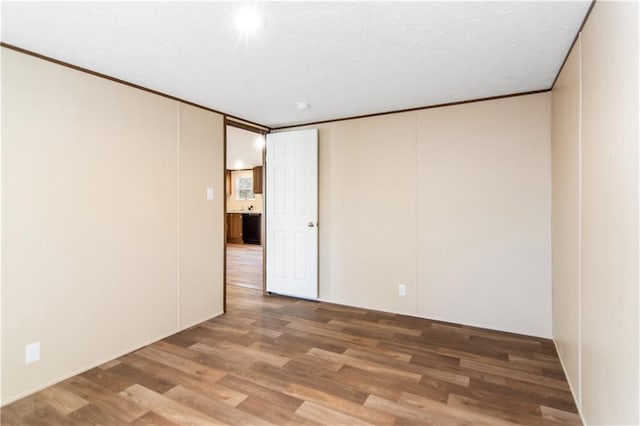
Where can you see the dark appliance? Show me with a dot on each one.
(251, 225)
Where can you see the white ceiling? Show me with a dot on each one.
(244, 149)
(343, 58)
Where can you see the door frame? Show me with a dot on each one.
(228, 121)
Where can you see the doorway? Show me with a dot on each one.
(244, 206)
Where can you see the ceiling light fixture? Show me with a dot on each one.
(302, 105)
(248, 20)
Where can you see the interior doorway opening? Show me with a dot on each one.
(244, 206)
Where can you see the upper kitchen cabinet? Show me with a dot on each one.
(257, 180)
(228, 189)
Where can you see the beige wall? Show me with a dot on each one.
(453, 202)
(607, 305)
(565, 230)
(106, 245)
(201, 230)
(367, 212)
(609, 222)
(483, 214)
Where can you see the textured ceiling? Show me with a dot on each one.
(344, 59)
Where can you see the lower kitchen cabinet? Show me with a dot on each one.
(234, 228)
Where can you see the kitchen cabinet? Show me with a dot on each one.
(257, 180)
(227, 182)
(234, 228)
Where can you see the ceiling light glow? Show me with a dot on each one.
(248, 20)
(302, 105)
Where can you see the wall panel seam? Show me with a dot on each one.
(579, 384)
(178, 229)
(415, 253)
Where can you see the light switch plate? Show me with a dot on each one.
(402, 290)
(209, 194)
(32, 353)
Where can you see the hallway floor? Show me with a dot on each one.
(244, 265)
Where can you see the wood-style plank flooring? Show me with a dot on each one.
(277, 360)
(244, 265)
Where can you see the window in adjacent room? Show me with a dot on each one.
(244, 185)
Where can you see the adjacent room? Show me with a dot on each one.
(244, 207)
(267, 213)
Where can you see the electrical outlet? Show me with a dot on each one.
(32, 353)
(402, 290)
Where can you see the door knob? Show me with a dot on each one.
(311, 224)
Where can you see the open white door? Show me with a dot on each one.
(292, 213)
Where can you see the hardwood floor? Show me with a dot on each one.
(244, 265)
(277, 360)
